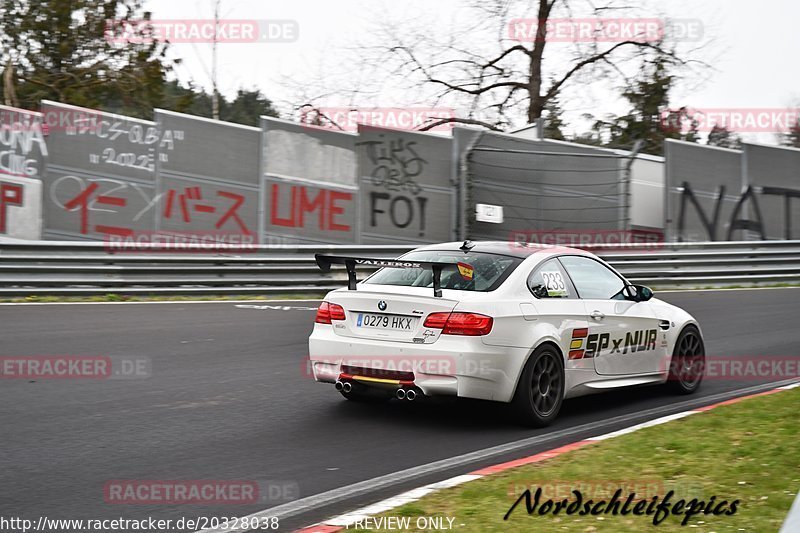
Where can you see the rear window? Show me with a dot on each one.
(488, 271)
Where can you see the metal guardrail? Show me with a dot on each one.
(92, 268)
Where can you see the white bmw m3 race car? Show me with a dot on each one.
(527, 325)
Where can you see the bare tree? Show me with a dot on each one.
(500, 61)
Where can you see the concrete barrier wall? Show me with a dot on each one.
(544, 186)
(716, 194)
(406, 186)
(309, 184)
(23, 154)
(20, 208)
(774, 174)
(100, 175)
(71, 173)
(207, 182)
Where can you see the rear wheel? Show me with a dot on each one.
(540, 390)
(688, 361)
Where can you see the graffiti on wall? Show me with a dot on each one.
(86, 204)
(219, 208)
(146, 137)
(105, 144)
(302, 208)
(400, 172)
(394, 164)
(315, 212)
(22, 143)
(11, 194)
(737, 221)
(100, 206)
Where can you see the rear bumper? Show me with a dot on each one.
(451, 366)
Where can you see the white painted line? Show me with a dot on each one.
(453, 481)
(792, 522)
(346, 520)
(676, 291)
(352, 517)
(369, 486)
(649, 423)
(275, 307)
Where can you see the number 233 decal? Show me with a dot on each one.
(554, 283)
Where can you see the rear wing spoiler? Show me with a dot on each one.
(325, 261)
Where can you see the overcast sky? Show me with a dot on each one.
(754, 48)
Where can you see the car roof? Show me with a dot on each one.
(513, 249)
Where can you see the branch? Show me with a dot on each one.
(594, 59)
(450, 86)
(453, 120)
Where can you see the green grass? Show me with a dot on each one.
(112, 297)
(749, 451)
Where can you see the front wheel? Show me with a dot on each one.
(688, 361)
(540, 390)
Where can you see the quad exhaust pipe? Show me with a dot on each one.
(403, 394)
(343, 386)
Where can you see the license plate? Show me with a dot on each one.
(396, 322)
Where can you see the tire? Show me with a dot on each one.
(688, 362)
(540, 391)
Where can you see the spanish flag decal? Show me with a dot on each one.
(466, 271)
(576, 349)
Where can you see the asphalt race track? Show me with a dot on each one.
(228, 398)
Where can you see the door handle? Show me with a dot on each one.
(597, 315)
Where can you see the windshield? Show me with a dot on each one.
(478, 271)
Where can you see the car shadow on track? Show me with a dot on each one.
(484, 416)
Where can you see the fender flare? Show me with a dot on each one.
(546, 340)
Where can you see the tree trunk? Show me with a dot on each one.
(9, 92)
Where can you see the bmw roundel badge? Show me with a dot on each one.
(382, 305)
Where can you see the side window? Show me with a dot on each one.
(592, 279)
(549, 280)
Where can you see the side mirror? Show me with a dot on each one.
(639, 293)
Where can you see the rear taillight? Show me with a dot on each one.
(470, 324)
(328, 311)
(436, 320)
(337, 312)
